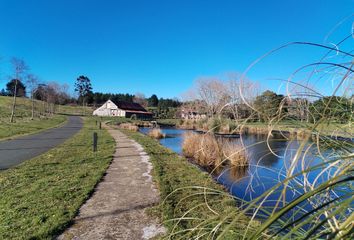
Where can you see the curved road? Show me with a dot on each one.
(14, 152)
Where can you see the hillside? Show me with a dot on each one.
(23, 108)
(23, 123)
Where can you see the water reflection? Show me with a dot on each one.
(270, 159)
(237, 173)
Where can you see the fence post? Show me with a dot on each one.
(95, 142)
(100, 124)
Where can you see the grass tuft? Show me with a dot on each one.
(208, 151)
(156, 133)
(129, 126)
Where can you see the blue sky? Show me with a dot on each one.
(162, 47)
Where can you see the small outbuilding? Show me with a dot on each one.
(123, 109)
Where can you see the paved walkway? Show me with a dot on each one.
(14, 152)
(116, 209)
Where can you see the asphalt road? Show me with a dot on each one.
(14, 152)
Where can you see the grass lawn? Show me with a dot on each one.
(41, 196)
(74, 110)
(335, 129)
(27, 126)
(172, 122)
(24, 108)
(23, 123)
(178, 180)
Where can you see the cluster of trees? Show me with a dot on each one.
(240, 99)
(163, 107)
(232, 98)
(99, 98)
(22, 83)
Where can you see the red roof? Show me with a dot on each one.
(132, 107)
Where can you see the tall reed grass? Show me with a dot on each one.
(208, 151)
(156, 133)
(129, 126)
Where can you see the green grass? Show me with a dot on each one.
(332, 128)
(172, 122)
(74, 110)
(24, 109)
(23, 123)
(11, 130)
(40, 197)
(181, 186)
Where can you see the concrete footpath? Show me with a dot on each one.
(116, 209)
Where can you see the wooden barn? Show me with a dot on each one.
(123, 109)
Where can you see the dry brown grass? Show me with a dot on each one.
(225, 129)
(129, 126)
(236, 154)
(190, 144)
(188, 124)
(303, 134)
(156, 133)
(206, 150)
(209, 151)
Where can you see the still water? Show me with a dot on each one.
(270, 161)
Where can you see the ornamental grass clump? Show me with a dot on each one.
(208, 151)
(156, 133)
(129, 126)
(236, 154)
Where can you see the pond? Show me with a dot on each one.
(270, 160)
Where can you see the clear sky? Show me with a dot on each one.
(163, 46)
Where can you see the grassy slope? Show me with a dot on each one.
(174, 173)
(74, 110)
(168, 121)
(336, 129)
(10, 130)
(40, 197)
(23, 124)
(24, 107)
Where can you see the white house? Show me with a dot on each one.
(122, 109)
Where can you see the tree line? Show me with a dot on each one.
(23, 83)
(242, 99)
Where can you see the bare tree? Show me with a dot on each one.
(214, 93)
(64, 94)
(32, 83)
(233, 92)
(53, 91)
(141, 99)
(19, 68)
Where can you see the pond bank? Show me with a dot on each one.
(269, 157)
(191, 194)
